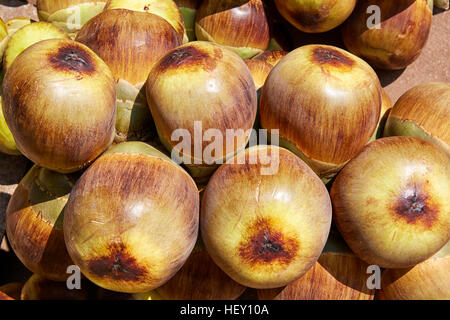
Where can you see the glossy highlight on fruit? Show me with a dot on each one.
(326, 104)
(399, 38)
(236, 24)
(391, 202)
(59, 103)
(204, 83)
(265, 230)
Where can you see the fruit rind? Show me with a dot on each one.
(243, 52)
(399, 127)
(35, 212)
(73, 18)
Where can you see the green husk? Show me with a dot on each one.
(73, 18)
(274, 45)
(189, 22)
(133, 121)
(399, 127)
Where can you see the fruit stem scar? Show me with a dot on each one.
(331, 56)
(117, 266)
(269, 245)
(416, 204)
(72, 57)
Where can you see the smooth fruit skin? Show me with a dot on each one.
(201, 81)
(427, 280)
(423, 112)
(131, 221)
(337, 275)
(29, 35)
(166, 9)
(265, 231)
(314, 16)
(239, 25)
(391, 202)
(130, 42)
(59, 103)
(403, 33)
(34, 222)
(201, 279)
(326, 104)
(260, 71)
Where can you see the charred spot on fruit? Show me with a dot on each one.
(72, 58)
(267, 246)
(332, 57)
(185, 57)
(117, 266)
(415, 207)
